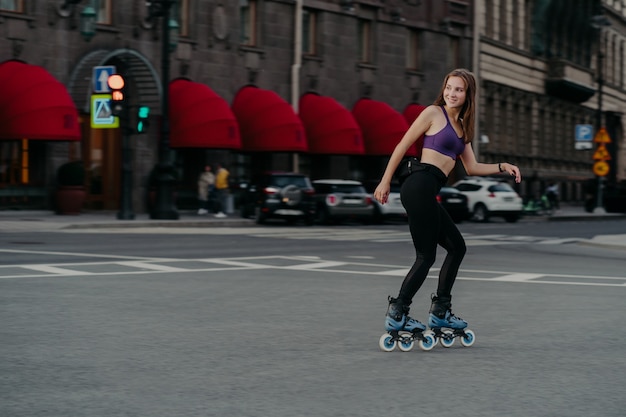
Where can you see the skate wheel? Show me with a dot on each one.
(406, 343)
(447, 338)
(429, 341)
(386, 343)
(469, 338)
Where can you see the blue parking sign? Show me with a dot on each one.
(99, 77)
(584, 132)
(584, 136)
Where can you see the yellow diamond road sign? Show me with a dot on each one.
(101, 115)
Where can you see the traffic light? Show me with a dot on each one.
(142, 118)
(116, 84)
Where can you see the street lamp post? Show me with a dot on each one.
(598, 22)
(164, 205)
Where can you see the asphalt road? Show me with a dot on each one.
(281, 321)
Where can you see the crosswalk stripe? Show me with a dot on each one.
(298, 263)
(53, 270)
(519, 277)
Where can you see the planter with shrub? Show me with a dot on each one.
(71, 192)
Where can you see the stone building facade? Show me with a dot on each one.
(394, 52)
(540, 63)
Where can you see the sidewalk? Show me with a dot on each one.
(30, 220)
(576, 212)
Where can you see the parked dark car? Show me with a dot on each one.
(279, 195)
(338, 200)
(455, 203)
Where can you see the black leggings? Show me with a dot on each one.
(430, 225)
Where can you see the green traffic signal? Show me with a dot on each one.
(142, 118)
(143, 112)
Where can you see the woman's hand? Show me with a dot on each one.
(513, 171)
(381, 194)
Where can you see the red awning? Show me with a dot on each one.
(382, 126)
(410, 113)
(199, 118)
(267, 122)
(35, 105)
(330, 127)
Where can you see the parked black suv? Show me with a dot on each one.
(283, 195)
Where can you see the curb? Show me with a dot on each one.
(586, 217)
(170, 223)
(601, 245)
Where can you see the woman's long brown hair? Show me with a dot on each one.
(468, 110)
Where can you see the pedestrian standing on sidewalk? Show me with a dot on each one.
(221, 190)
(206, 185)
(448, 126)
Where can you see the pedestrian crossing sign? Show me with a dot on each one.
(101, 114)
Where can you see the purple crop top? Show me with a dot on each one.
(446, 141)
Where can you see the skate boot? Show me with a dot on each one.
(446, 325)
(398, 318)
(403, 330)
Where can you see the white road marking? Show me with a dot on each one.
(396, 272)
(518, 277)
(80, 254)
(151, 266)
(53, 270)
(332, 234)
(317, 265)
(293, 263)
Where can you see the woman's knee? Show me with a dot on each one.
(427, 259)
(457, 250)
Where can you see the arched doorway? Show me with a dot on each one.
(102, 148)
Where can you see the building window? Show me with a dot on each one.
(620, 72)
(413, 61)
(527, 25)
(12, 5)
(503, 24)
(21, 162)
(309, 32)
(365, 41)
(488, 18)
(248, 15)
(181, 15)
(516, 17)
(103, 14)
(454, 52)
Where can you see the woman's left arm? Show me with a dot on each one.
(473, 167)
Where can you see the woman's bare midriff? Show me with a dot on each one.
(441, 161)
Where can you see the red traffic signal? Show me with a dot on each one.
(116, 84)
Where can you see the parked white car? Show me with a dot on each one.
(392, 209)
(487, 198)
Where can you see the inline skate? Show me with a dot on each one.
(403, 331)
(446, 326)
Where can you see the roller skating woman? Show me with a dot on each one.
(448, 129)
